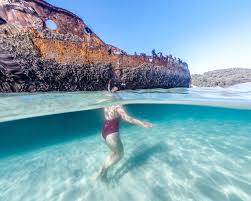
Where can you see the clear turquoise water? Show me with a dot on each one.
(199, 147)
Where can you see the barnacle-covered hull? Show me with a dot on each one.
(71, 57)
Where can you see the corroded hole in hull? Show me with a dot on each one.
(51, 24)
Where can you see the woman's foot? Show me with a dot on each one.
(102, 175)
(95, 176)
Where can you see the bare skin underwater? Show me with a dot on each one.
(110, 133)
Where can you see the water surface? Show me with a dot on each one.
(199, 147)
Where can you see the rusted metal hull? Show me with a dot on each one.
(34, 57)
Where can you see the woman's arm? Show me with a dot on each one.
(132, 120)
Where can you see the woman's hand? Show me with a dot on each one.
(147, 124)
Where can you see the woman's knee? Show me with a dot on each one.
(119, 153)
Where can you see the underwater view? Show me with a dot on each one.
(198, 148)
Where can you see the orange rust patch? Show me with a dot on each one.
(65, 52)
(62, 52)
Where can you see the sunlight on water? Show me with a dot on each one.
(191, 153)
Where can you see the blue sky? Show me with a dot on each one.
(207, 34)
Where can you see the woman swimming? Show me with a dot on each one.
(110, 134)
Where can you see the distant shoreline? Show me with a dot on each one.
(222, 78)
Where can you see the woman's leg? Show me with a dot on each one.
(113, 141)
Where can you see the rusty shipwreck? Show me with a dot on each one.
(71, 57)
